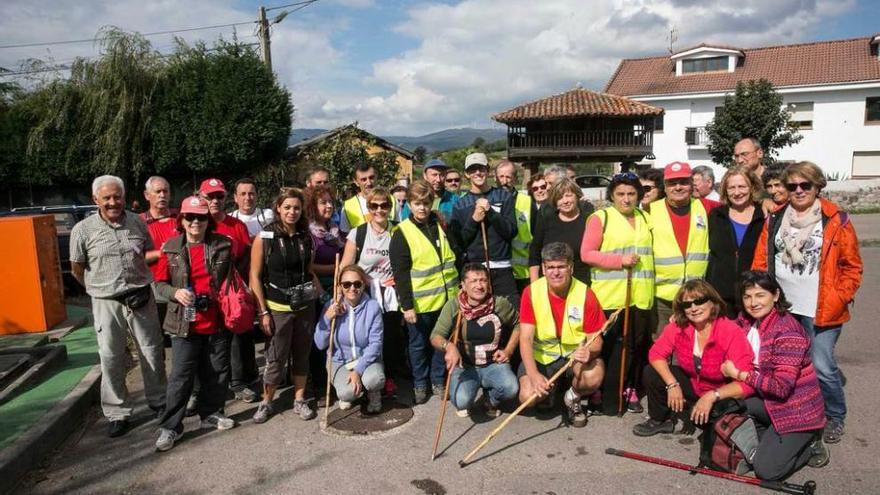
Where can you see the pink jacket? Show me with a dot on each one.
(728, 341)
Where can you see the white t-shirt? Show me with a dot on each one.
(255, 221)
(714, 196)
(801, 282)
(376, 254)
(754, 339)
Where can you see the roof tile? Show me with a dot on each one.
(578, 102)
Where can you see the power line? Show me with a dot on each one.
(301, 5)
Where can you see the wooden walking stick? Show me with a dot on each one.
(486, 252)
(330, 349)
(620, 398)
(530, 400)
(454, 341)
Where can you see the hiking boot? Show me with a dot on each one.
(218, 421)
(652, 427)
(491, 410)
(192, 405)
(166, 439)
(833, 431)
(633, 404)
(245, 394)
(462, 413)
(821, 455)
(374, 402)
(576, 416)
(438, 390)
(264, 410)
(420, 395)
(345, 405)
(304, 410)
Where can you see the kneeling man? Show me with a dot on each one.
(557, 314)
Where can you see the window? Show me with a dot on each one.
(801, 114)
(865, 164)
(658, 123)
(872, 110)
(709, 64)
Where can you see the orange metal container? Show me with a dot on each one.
(31, 289)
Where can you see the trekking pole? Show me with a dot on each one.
(486, 252)
(454, 341)
(621, 391)
(534, 396)
(808, 488)
(330, 349)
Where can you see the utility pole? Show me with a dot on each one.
(263, 33)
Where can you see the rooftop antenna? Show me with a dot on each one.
(672, 38)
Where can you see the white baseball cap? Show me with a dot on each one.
(476, 159)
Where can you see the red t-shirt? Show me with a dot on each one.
(161, 231)
(207, 322)
(681, 224)
(594, 318)
(236, 230)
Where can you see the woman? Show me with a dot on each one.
(700, 340)
(652, 185)
(369, 246)
(617, 243)
(424, 271)
(538, 189)
(357, 344)
(564, 219)
(772, 179)
(285, 287)
(788, 407)
(189, 273)
(810, 248)
(734, 229)
(326, 236)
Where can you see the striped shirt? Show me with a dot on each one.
(113, 255)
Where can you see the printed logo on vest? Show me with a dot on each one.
(574, 314)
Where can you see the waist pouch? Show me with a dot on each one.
(135, 299)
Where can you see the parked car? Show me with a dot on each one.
(593, 186)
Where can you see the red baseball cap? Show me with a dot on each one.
(194, 204)
(677, 170)
(212, 185)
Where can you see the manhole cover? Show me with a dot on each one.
(355, 422)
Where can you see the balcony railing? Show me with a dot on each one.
(598, 139)
(696, 137)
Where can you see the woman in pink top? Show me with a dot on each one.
(701, 341)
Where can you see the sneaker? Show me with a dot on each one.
(245, 394)
(390, 389)
(821, 455)
(304, 410)
(117, 428)
(491, 410)
(462, 413)
(576, 415)
(420, 395)
(192, 405)
(166, 439)
(264, 410)
(218, 421)
(374, 402)
(652, 427)
(345, 405)
(594, 403)
(438, 390)
(548, 403)
(633, 404)
(833, 431)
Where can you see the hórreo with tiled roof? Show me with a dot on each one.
(578, 102)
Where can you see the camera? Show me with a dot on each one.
(300, 295)
(202, 302)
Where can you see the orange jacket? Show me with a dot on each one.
(840, 264)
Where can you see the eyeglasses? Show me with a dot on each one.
(453, 181)
(376, 206)
(793, 186)
(542, 187)
(216, 195)
(696, 302)
(357, 284)
(648, 189)
(192, 217)
(743, 154)
(625, 175)
(481, 169)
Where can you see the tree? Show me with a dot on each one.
(420, 153)
(478, 143)
(754, 110)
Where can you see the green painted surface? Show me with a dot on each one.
(21, 413)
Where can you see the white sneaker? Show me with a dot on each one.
(462, 413)
(345, 405)
(219, 422)
(374, 402)
(166, 439)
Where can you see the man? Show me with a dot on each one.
(318, 176)
(555, 173)
(704, 183)
(434, 173)
(242, 356)
(680, 226)
(245, 197)
(107, 257)
(557, 314)
(487, 339)
(162, 226)
(493, 207)
(452, 181)
(748, 153)
(506, 176)
(354, 210)
(525, 210)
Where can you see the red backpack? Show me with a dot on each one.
(237, 304)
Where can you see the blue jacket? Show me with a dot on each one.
(361, 341)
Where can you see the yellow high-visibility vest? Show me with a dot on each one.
(519, 247)
(671, 268)
(357, 216)
(620, 237)
(434, 279)
(547, 346)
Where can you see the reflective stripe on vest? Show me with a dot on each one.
(619, 237)
(519, 247)
(434, 280)
(356, 216)
(547, 346)
(671, 268)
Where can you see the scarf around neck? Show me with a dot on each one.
(792, 254)
(475, 312)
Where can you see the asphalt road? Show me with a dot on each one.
(532, 456)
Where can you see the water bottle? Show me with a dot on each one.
(189, 312)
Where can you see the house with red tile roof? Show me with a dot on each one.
(832, 89)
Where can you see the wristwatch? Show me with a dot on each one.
(445, 343)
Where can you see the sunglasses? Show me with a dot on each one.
(453, 181)
(192, 217)
(625, 175)
(539, 188)
(696, 302)
(376, 206)
(357, 284)
(793, 186)
(217, 195)
(648, 189)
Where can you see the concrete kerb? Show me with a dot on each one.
(54, 427)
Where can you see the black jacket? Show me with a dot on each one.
(726, 260)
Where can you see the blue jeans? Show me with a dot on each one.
(497, 379)
(428, 367)
(823, 340)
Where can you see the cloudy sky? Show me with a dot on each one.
(412, 67)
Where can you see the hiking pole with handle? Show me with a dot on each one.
(454, 341)
(808, 488)
(486, 252)
(621, 391)
(330, 349)
(551, 381)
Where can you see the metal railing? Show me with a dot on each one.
(696, 136)
(632, 138)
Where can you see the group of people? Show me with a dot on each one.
(740, 298)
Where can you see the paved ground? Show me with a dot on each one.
(532, 456)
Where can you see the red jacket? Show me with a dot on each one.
(840, 271)
(728, 341)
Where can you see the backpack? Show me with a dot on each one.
(360, 238)
(730, 433)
